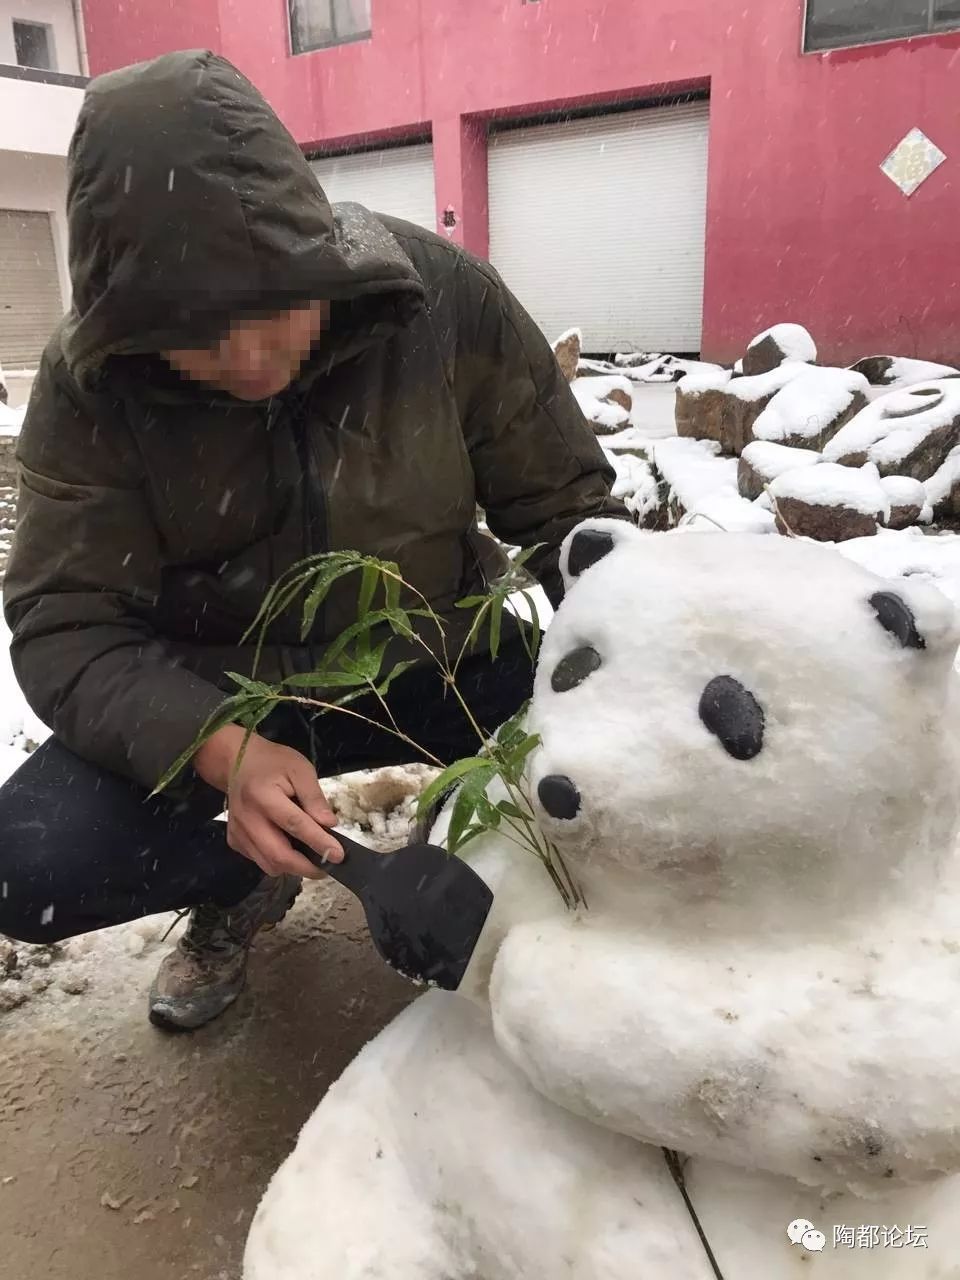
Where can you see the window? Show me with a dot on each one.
(315, 24)
(33, 42)
(834, 23)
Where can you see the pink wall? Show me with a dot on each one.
(801, 222)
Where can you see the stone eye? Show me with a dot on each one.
(574, 668)
(734, 716)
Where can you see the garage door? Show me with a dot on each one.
(398, 181)
(601, 223)
(30, 301)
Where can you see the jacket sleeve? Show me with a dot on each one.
(80, 589)
(539, 469)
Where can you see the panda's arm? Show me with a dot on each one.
(777, 1062)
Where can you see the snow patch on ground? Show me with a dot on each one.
(911, 553)
(11, 420)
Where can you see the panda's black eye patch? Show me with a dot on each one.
(574, 668)
(895, 616)
(733, 714)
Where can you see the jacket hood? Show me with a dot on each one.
(189, 201)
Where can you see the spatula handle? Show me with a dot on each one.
(354, 871)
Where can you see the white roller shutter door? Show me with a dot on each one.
(31, 306)
(398, 181)
(601, 223)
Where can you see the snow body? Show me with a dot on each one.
(764, 980)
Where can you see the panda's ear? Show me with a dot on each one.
(590, 542)
(917, 616)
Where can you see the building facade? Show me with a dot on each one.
(42, 64)
(668, 174)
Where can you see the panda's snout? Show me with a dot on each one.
(559, 796)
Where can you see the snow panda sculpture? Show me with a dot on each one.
(749, 760)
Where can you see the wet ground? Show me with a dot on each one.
(130, 1154)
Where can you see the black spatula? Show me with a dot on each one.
(425, 907)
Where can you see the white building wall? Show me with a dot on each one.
(36, 117)
(39, 183)
(57, 14)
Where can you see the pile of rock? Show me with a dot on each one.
(605, 388)
(833, 453)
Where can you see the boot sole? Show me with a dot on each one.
(190, 1020)
(181, 1024)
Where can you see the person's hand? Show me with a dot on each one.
(272, 795)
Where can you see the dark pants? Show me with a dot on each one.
(81, 848)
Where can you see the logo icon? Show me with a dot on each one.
(805, 1234)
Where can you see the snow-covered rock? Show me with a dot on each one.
(761, 462)
(776, 346)
(908, 501)
(702, 487)
(812, 408)
(567, 350)
(761, 786)
(905, 433)
(604, 401)
(715, 405)
(830, 503)
(896, 372)
(943, 488)
(642, 493)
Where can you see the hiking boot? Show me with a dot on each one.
(206, 970)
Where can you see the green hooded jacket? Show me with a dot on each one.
(154, 513)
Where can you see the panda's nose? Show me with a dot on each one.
(559, 796)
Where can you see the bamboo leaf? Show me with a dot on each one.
(368, 586)
(510, 810)
(391, 591)
(514, 758)
(326, 679)
(512, 731)
(465, 836)
(453, 773)
(490, 815)
(518, 560)
(534, 623)
(229, 712)
(394, 618)
(327, 576)
(496, 621)
(464, 808)
(471, 796)
(256, 687)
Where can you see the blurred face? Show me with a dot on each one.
(259, 356)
